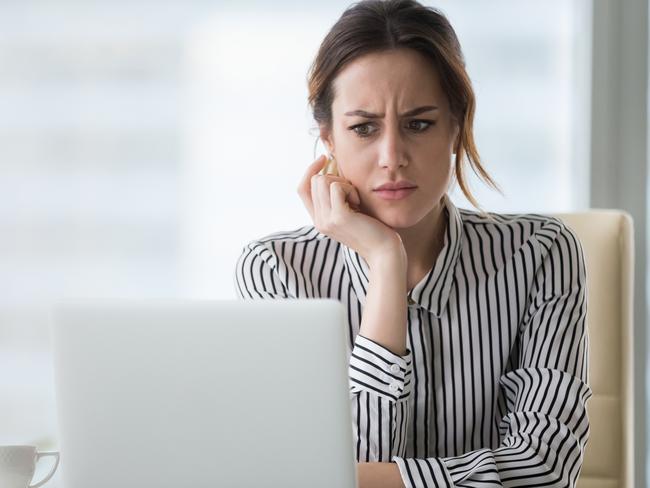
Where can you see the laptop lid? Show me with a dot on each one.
(203, 393)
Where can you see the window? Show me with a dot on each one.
(139, 155)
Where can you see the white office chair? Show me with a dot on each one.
(607, 237)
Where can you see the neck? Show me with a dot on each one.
(423, 242)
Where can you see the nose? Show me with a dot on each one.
(392, 148)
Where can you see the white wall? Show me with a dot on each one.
(143, 143)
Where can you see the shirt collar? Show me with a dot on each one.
(432, 292)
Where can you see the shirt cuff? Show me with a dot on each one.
(376, 369)
(423, 473)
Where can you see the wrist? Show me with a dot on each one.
(391, 256)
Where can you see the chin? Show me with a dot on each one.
(399, 219)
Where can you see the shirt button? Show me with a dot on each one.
(393, 387)
(394, 368)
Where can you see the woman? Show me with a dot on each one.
(467, 333)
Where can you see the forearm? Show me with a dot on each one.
(384, 312)
(379, 475)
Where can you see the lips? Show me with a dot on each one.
(396, 185)
(394, 194)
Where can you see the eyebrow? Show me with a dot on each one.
(415, 111)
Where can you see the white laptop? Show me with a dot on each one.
(224, 393)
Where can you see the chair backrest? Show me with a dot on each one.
(607, 238)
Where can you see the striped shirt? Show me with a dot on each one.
(493, 386)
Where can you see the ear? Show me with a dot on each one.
(328, 140)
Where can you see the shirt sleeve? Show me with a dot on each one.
(256, 276)
(380, 381)
(380, 386)
(546, 428)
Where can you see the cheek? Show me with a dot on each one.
(440, 177)
(352, 172)
(440, 147)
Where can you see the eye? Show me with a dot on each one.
(427, 124)
(361, 129)
(417, 125)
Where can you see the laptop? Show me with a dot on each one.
(224, 393)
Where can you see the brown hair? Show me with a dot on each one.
(378, 25)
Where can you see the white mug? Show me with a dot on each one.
(17, 465)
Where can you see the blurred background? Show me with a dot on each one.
(143, 143)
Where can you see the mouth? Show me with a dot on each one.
(394, 194)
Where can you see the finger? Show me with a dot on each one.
(338, 197)
(348, 194)
(351, 192)
(312, 169)
(305, 185)
(320, 192)
(322, 195)
(313, 197)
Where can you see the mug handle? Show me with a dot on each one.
(39, 455)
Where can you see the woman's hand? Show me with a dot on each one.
(333, 204)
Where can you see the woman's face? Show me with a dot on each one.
(386, 145)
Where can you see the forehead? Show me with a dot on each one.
(400, 77)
